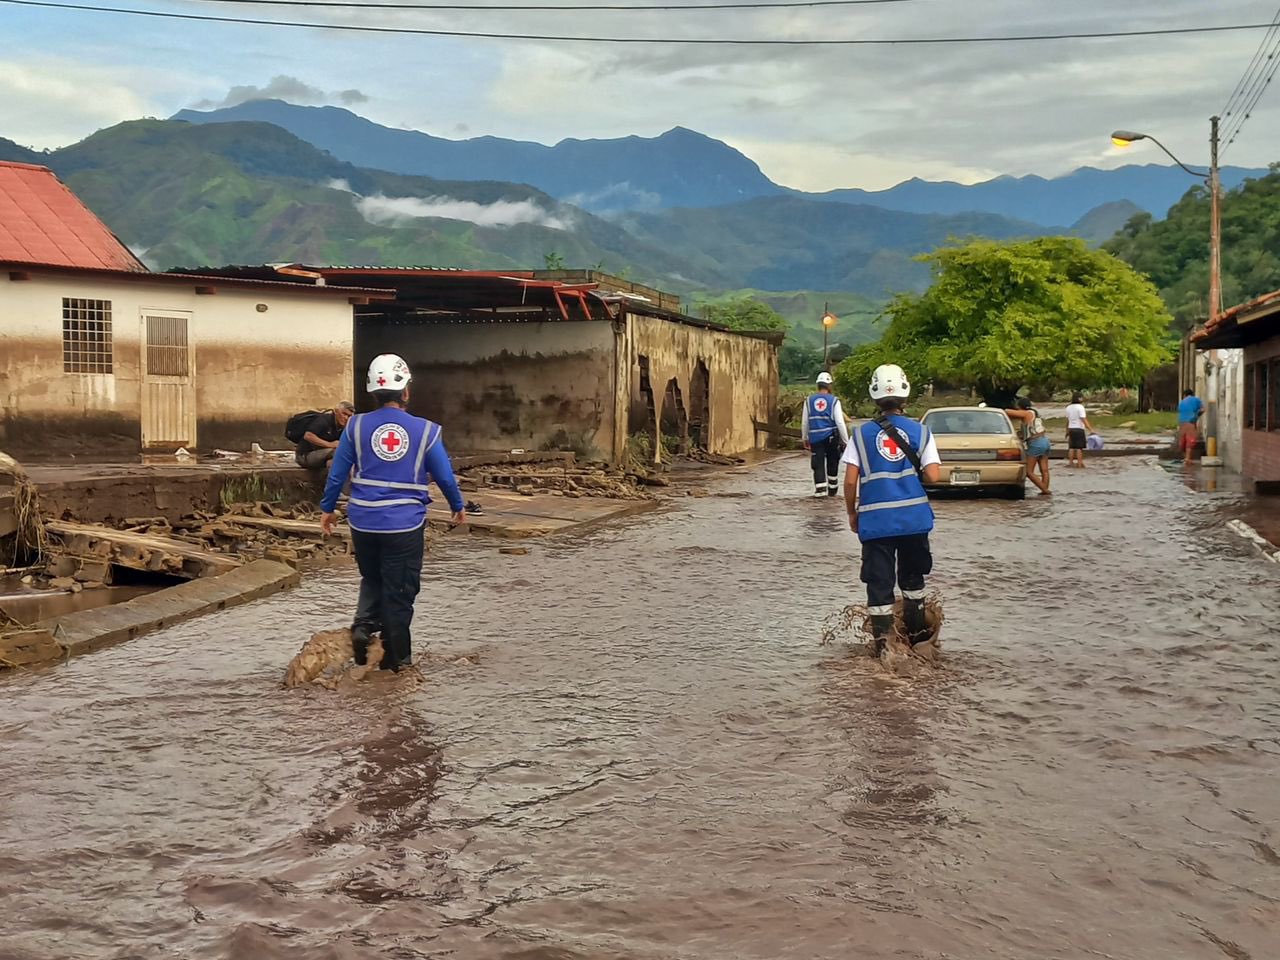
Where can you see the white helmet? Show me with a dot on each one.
(388, 372)
(889, 381)
(824, 378)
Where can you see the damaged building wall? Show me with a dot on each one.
(496, 386)
(255, 369)
(73, 375)
(46, 411)
(710, 384)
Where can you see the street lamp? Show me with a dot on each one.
(828, 321)
(1124, 138)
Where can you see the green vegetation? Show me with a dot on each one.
(1174, 252)
(744, 313)
(1049, 312)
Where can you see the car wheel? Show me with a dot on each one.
(1016, 493)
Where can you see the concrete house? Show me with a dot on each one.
(101, 358)
(1242, 347)
(558, 359)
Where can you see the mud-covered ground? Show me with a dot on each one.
(646, 753)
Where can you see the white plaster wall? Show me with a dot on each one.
(252, 369)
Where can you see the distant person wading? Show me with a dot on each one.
(825, 437)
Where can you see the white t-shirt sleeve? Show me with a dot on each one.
(850, 457)
(804, 419)
(838, 413)
(929, 455)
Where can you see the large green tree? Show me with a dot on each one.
(1174, 252)
(745, 313)
(1048, 312)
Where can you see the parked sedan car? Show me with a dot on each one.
(979, 448)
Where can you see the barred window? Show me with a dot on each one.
(167, 354)
(86, 335)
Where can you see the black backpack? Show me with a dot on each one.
(297, 425)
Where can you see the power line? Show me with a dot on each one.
(1253, 103)
(1253, 82)
(548, 7)
(700, 41)
(1245, 80)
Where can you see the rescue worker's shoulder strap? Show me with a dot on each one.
(885, 424)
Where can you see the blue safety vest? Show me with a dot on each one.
(891, 499)
(822, 417)
(389, 485)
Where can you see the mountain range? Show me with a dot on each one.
(683, 168)
(184, 195)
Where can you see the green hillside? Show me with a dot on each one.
(16, 152)
(1174, 252)
(793, 243)
(187, 195)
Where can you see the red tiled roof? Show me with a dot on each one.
(43, 222)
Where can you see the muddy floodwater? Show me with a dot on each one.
(647, 754)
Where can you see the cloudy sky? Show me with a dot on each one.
(812, 117)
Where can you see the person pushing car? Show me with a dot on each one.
(888, 507)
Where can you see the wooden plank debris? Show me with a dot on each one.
(139, 551)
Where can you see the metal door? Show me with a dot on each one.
(168, 381)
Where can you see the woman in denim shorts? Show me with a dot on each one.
(1037, 442)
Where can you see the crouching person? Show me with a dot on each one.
(394, 456)
(888, 507)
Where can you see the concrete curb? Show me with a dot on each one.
(1265, 546)
(91, 630)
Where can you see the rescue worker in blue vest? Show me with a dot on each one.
(888, 507)
(825, 437)
(395, 455)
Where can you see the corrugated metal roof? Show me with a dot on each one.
(43, 222)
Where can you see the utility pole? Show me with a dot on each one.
(1215, 295)
(826, 326)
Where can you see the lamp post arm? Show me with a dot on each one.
(1203, 175)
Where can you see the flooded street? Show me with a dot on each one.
(649, 755)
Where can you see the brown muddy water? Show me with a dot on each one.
(652, 757)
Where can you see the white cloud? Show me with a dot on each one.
(381, 209)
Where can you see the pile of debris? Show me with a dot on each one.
(251, 531)
(22, 537)
(83, 556)
(563, 478)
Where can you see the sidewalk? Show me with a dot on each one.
(1254, 517)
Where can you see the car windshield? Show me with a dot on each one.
(967, 421)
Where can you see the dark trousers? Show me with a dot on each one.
(905, 561)
(390, 575)
(826, 463)
(319, 457)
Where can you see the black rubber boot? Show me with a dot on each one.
(360, 636)
(913, 619)
(881, 631)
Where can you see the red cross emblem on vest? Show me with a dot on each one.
(390, 441)
(888, 447)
